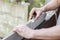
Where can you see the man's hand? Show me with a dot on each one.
(24, 31)
(37, 11)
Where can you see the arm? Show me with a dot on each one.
(48, 33)
(51, 5)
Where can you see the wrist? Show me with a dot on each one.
(39, 33)
(43, 9)
(32, 33)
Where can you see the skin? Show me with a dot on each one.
(46, 33)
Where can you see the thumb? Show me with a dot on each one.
(37, 16)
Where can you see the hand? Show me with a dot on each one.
(38, 12)
(24, 31)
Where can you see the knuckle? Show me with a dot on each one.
(37, 16)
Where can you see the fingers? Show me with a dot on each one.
(37, 16)
(17, 28)
(19, 32)
(31, 13)
(38, 12)
(24, 31)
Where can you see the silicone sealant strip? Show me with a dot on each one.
(31, 24)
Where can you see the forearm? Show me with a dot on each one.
(51, 5)
(49, 33)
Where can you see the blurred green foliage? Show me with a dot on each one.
(38, 3)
